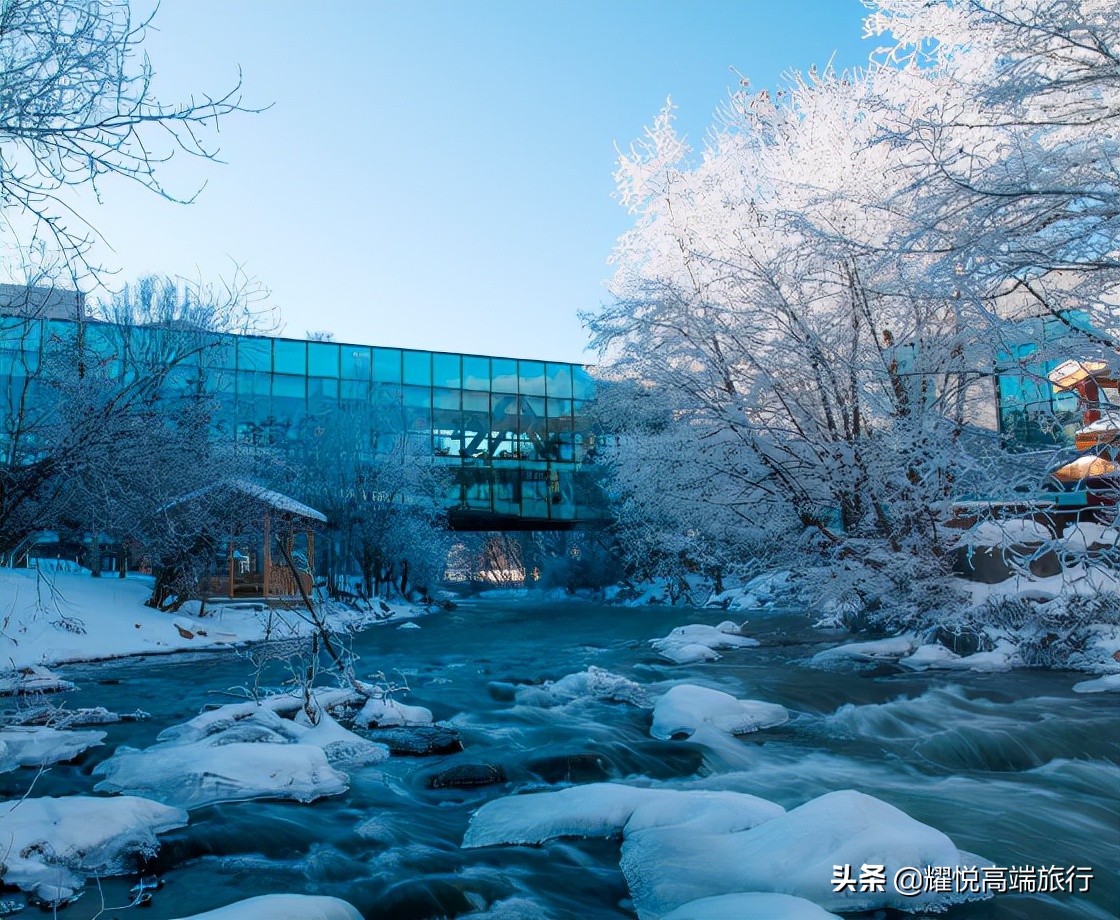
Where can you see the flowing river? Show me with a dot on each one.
(1014, 766)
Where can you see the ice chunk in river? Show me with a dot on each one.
(52, 845)
(686, 707)
(383, 712)
(283, 907)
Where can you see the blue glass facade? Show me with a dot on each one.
(515, 433)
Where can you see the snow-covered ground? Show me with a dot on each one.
(56, 617)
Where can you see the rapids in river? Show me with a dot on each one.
(1012, 766)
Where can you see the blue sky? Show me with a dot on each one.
(437, 174)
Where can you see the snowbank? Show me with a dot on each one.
(51, 846)
(60, 617)
(29, 679)
(40, 746)
(686, 707)
(762, 591)
(698, 642)
(684, 846)
(1014, 531)
(244, 751)
(592, 684)
(283, 907)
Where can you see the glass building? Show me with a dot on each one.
(515, 433)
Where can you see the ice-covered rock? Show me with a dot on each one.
(384, 712)
(221, 718)
(761, 591)
(605, 810)
(1014, 531)
(1110, 682)
(750, 904)
(39, 745)
(698, 642)
(592, 684)
(686, 707)
(52, 845)
(283, 907)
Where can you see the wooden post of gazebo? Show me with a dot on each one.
(231, 564)
(267, 557)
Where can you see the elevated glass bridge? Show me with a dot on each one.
(515, 434)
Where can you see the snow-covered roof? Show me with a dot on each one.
(275, 500)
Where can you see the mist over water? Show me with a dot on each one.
(1014, 767)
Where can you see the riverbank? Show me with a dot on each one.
(50, 618)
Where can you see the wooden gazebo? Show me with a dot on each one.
(270, 547)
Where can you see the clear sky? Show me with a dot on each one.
(439, 174)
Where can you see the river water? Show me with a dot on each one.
(1014, 767)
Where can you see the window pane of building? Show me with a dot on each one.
(387, 365)
(559, 381)
(503, 375)
(289, 357)
(357, 362)
(322, 359)
(476, 373)
(418, 368)
(531, 375)
(447, 371)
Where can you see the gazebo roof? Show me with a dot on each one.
(274, 500)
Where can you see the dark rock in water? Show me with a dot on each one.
(418, 740)
(415, 899)
(1045, 565)
(572, 768)
(659, 759)
(466, 775)
(502, 691)
(963, 643)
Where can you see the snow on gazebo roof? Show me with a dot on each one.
(275, 500)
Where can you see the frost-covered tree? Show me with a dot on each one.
(815, 305)
(76, 106)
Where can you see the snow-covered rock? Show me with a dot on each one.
(684, 846)
(193, 774)
(39, 745)
(698, 642)
(875, 650)
(52, 845)
(929, 656)
(794, 853)
(761, 591)
(33, 679)
(1108, 683)
(686, 707)
(750, 904)
(605, 810)
(383, 712)
(592, 684)
(243, 751)
(283, 907)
